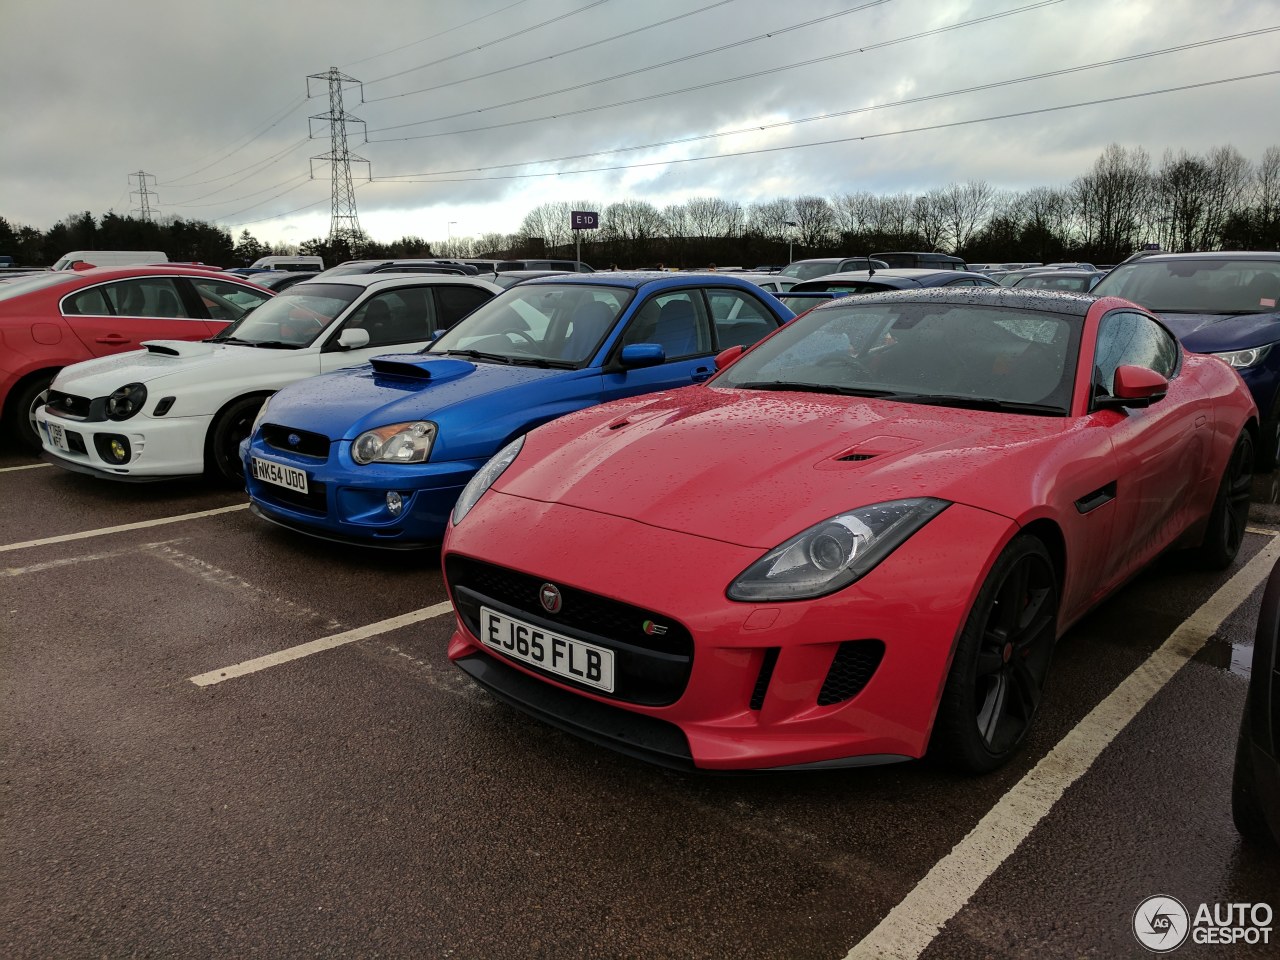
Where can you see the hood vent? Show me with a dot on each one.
(162, 349)
(399, 368)
(855, 457)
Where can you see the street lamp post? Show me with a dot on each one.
(452, 223)
(791, 240)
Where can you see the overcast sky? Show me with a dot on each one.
(210, 99)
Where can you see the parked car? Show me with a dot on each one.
(501, 266)
(822, 266)
(51, 319)
(84, 259)
(1224, 304)
(859, 542)
(352, 268)
(1255, 781)
(775, 283)
(383, 450)
(510, 278)
(1073, 281)
(883, 280)
(900, 260)
(181, 409)
(297, 262)
(282, 279)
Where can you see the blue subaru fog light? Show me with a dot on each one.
(394, 503)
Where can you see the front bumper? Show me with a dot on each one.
(758, 689)
(159, 449)
(347, 502)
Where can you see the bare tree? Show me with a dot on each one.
(1112, 199)
(963, 208)
(815, 221)
(713, 217)
(928, 220)
(769, 219)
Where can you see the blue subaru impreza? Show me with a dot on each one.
(378, 454)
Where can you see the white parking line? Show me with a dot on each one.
(908, 929)
(1265, 531)
(85, 558)
(25, 466)
(318, 646)
(140, 525)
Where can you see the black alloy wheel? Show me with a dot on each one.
(30, 398)
(1230, 515)
(1002, 661)
(233, 425)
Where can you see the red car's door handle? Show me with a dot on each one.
(700, 373)
(114, 339)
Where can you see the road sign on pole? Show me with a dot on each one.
(582, 220)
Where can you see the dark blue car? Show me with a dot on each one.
(378, 454)
(1224, 304)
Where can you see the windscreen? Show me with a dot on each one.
(294, 318)
(543, 323)
(935, 352)
(1196, 286)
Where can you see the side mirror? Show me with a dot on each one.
(728, 356)
(353, 338)
(636, 355)
(1136, 387)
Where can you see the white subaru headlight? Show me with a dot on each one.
(832, 554)
(485, 478)
(395, 443)
(1245, 358)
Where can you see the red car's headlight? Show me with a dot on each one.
(834, 553)
(485, 478)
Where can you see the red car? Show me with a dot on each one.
(857, 543)
(50, 320)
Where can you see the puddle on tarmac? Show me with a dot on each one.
(1222, 653)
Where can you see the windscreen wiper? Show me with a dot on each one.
(543, 362)
(814, 388)
(478, 355)
(977, 403)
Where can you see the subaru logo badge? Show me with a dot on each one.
(294, 439)
(549, 597)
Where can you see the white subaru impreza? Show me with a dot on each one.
(177, 409)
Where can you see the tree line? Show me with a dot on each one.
(1216, 201)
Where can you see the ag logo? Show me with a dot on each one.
(549, 597)
(1161, 923)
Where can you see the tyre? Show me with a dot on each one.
(222, 449)
(1230, 514)
(1001, 662)
(1246, 809)
(22, 414)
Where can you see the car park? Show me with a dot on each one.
(954, 478)
(383, 450)
(822, 266)
(52, 319)
(1072, 281)
(1224, 304)
(1255, 779)
(883, 280)
(182, 409)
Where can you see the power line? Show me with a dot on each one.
(519, 33)
(703, 86)
(262, 164)
(279, 117)
(434, 36)
(282, 193)
(756, 128)
(552, 56)
(867, 136)
(223, 203)
(276, 216)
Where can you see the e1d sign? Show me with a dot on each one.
(584, 220)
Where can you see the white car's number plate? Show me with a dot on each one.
(289, 477)
(57, 436)
(564, 656)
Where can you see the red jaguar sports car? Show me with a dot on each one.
(859, 542)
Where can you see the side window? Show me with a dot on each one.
(673, 320)
(1126, 338)
(740, 319)
(87, 303)
(963, 283)
(147, 297)
(455, 302)
(226, 301)
(396, 316)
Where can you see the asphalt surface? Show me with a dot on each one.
(370, 801)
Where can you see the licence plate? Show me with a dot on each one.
(563, 656)
(57, 436)
(291, 478)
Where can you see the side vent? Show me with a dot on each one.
(766, 674)
(855, 457)
(851, 669)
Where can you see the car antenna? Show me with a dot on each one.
(871, 267)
